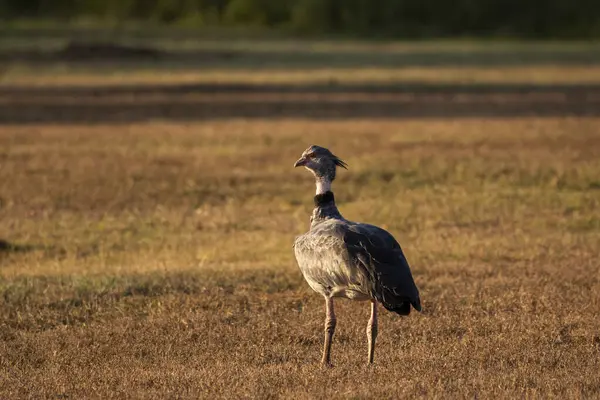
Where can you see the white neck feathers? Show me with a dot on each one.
(323, 186)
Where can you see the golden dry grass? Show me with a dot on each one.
(155, 261)
(538, 74)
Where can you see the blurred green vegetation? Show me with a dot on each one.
(365, 18)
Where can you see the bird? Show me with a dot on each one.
(343, 259)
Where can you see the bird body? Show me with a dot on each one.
(323, 260)
(341, 258)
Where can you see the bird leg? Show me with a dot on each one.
(330, 323)
(372, 330)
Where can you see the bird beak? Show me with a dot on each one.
(300, 162)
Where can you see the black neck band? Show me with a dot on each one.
(324, 199)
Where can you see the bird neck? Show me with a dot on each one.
(323, 185)
(325, 207)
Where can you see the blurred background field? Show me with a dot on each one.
(148, 202)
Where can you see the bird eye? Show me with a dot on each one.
(310, 155)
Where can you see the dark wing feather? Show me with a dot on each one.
(382, 260)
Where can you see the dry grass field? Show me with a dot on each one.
(147, 254)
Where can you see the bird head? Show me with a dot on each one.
(321, 162)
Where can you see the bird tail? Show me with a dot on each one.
(400, 306)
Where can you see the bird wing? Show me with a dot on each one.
(380, 256)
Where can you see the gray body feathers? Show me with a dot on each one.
(341, 258)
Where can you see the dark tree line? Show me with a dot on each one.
(399, 18)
